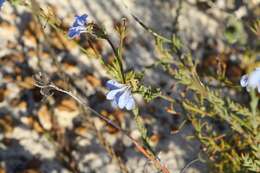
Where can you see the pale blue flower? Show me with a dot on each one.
(252, 80)
(120, 95)
(1, 3)
(78, 26)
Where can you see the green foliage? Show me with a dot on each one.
(176, 43)
(224, 148)
(148, 93)
(234, 32)
(114, 70)
(225, 152)
(16, 2)
(252, 162)
(256, 28)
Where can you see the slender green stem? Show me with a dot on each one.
(253, 105)
(142, 129)
(117, 56)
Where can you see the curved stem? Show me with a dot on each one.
(139, 147)
(189, 164)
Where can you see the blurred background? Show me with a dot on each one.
(55, 135)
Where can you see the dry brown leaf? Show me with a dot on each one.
(62, 84)
(29, 39)
(81, 131)
(45, 117)
(66, 42)
(2, 170)
(2, 94)
(22, 105)
(68, 105)
(65, 112)
(95, 82)
(6, 123)
(35, 28)
(27, 120)
(70, 68)
(31, 171)
(8, 28)
(155, 139)
(31, 53)
(27, 83)
(55, 42)
(37, 127)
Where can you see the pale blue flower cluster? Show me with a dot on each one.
(252, 80)
(78, 26)
(120, 95)
(1, 3)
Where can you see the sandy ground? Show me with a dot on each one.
(28, 145)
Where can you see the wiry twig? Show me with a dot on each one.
(189, 164)
(175, 23)
(148, 29)
(139, 147)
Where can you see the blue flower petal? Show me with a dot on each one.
(124, 98)
(75, 31)
(130, 104)
(120, 94)
(112, 94)
(244, 81)
(114, 104)
(112, 84)
(80, 20)
(1, 3)
(78, 26)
